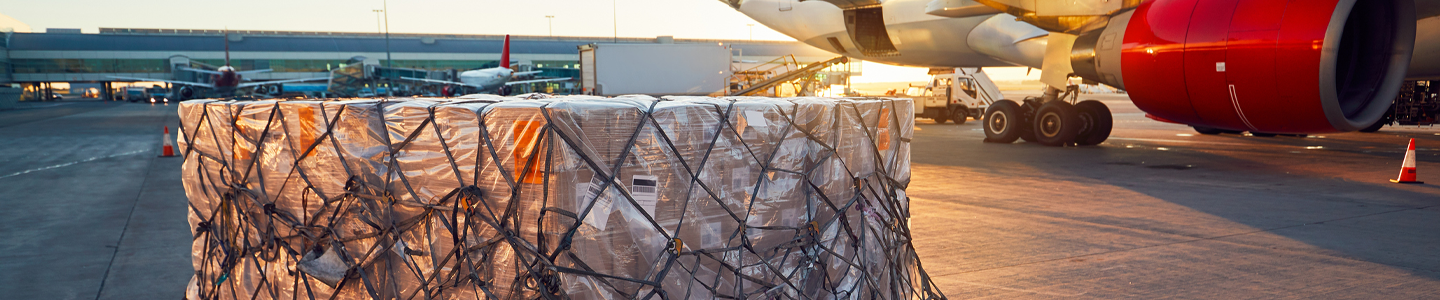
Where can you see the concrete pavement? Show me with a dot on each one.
(90, 212)
(1160, 212)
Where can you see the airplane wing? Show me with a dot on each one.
(218, 73)
(526, 73)
(537, 81)
(200, 71)
(441, 82)
(162, 80)
(280, 81)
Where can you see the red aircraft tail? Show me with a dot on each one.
(505, 55)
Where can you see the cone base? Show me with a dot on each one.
(1407, 182)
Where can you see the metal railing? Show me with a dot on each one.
(759, 78)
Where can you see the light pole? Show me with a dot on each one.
(752, 31)
(379, 29)
(552, 25)
(388, 61)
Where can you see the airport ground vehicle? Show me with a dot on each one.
(158, 94)
(956, 95)
(654, 69)
(1418, 104)
(135, 94)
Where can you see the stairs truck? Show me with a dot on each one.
(956, 95)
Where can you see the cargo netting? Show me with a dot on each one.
(575, 197)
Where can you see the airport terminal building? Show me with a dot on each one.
(34, 60)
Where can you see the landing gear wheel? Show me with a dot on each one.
(1027, 111)
(1252, 133)
(960, 115)
(1095, 122)
(1056, 124)
(1004, 122)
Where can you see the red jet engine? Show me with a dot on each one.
(1272, 66)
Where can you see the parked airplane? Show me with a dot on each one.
(223, 80)
(1264, 66)
(490, 79)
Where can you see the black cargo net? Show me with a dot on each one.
(567, 198)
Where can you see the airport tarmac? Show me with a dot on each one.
(1158, 211)
(1161, 212)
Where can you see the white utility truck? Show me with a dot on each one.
(654, 69)
(955, 95)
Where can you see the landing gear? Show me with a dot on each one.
(1050, 120)
(1056, 124)
(1004, 122)
(1261, 134)
(1095, 122)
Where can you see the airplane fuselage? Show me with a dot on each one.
(922, 40)
(487, 79)
(989, 40)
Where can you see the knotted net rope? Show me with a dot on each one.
(562, 198)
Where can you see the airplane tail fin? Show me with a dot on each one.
(505, 54)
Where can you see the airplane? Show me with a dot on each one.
(224, 80)
(1264, 66)
(489, 79)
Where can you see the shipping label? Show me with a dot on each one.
(643, 188)
(586, 192)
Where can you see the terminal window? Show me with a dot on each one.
(99, 65)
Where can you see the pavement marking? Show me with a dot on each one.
(70, 163)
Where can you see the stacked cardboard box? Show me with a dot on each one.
(573, 197)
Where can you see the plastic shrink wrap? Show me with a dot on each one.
(573, 197)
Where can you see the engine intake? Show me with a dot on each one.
(1273, 66)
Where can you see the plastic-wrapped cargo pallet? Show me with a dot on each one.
(561, 198)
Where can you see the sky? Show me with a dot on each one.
(702, 19)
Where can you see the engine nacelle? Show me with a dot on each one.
(1273, 66)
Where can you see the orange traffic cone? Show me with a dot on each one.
(169, 149)
(1407, 170)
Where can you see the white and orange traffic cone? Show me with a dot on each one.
(1407, 170)
(169, 149)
